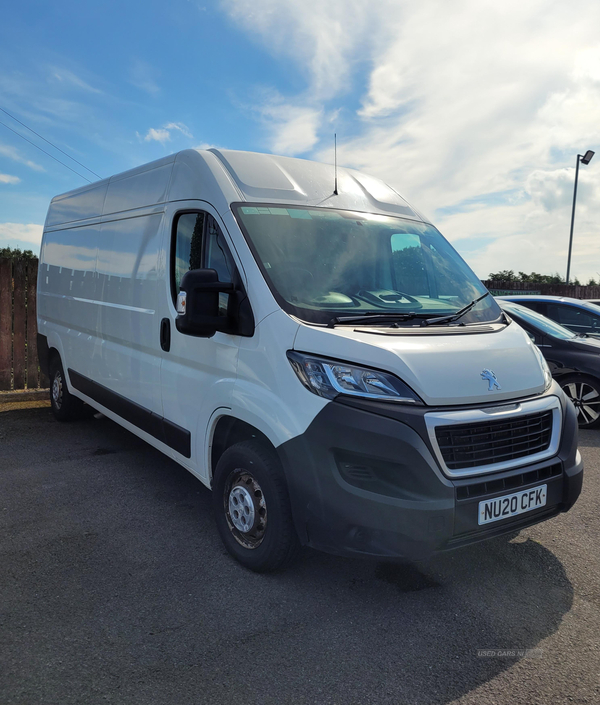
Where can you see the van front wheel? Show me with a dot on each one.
(252, 508)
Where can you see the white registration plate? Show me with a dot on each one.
(512, 504)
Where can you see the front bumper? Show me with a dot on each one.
(364, 480)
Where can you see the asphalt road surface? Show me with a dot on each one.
(115, 588)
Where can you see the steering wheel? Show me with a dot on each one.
(374, 297)
(294, 278)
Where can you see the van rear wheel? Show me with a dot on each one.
(64, 405)
(252, 508)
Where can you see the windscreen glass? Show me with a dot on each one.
(322, 263)
(543, 324)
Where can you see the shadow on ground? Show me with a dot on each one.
(116, 589)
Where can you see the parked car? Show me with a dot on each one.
(574, 360)
(320, 357)
(596, 302)
(575, 314)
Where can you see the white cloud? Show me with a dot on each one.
(163, 134)
(69, 78)
(8, 179)
(179, 126)
(22, 235)
(144, 77)
(473, 109)
(293, 128)
(322, 37)
(12, 153)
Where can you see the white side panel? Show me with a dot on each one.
(138, 191)
(267, 393)
(83, 203)
(130, 279)
(67, 292)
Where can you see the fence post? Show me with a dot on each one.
(19, 319)
(44, 381)
(32, 357)
(5, 322)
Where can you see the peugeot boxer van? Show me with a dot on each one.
(319, 356)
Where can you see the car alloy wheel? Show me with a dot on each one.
(585, 396)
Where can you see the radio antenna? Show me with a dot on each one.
(335, 189)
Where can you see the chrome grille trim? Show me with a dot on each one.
(504, 411)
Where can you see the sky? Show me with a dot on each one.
(473, 110)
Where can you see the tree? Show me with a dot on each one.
(16, 253)
(506, 275)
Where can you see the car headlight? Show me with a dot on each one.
(329, 378)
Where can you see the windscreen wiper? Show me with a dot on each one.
(454, 316)
(374, 318)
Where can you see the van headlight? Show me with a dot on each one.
(329, 378)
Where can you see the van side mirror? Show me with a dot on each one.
(198, 303)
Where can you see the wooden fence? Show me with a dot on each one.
(572, 290)
(19, 367)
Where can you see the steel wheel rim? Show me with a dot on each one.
(245, 508)
(57, 390)
(586, 399)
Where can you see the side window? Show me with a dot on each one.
(217, 252)
(199, 243)
(533, 305)
(571, 317)
(218, 257)
(187, 254)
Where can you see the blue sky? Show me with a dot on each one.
(473, 109)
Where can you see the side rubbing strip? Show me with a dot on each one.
(163, 430)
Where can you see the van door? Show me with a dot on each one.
(124, 352)
(197, 374)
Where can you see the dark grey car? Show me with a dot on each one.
(573, 358)
(575, 314)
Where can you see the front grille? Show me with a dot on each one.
(485, 443)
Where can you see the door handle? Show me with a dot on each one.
(165, 334)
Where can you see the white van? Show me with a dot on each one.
(321, 358)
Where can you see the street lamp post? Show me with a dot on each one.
(584, 159)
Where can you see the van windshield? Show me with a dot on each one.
(321, 262)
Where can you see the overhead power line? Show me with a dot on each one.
(48, 141)
(44, 151)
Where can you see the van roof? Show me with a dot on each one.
(223, 177)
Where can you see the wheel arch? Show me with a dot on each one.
(55, 350)
(228, 430)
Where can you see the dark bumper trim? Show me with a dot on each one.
(414, 510)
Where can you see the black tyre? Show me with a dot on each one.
(584, 392)
(252, 508)
(65, 406)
